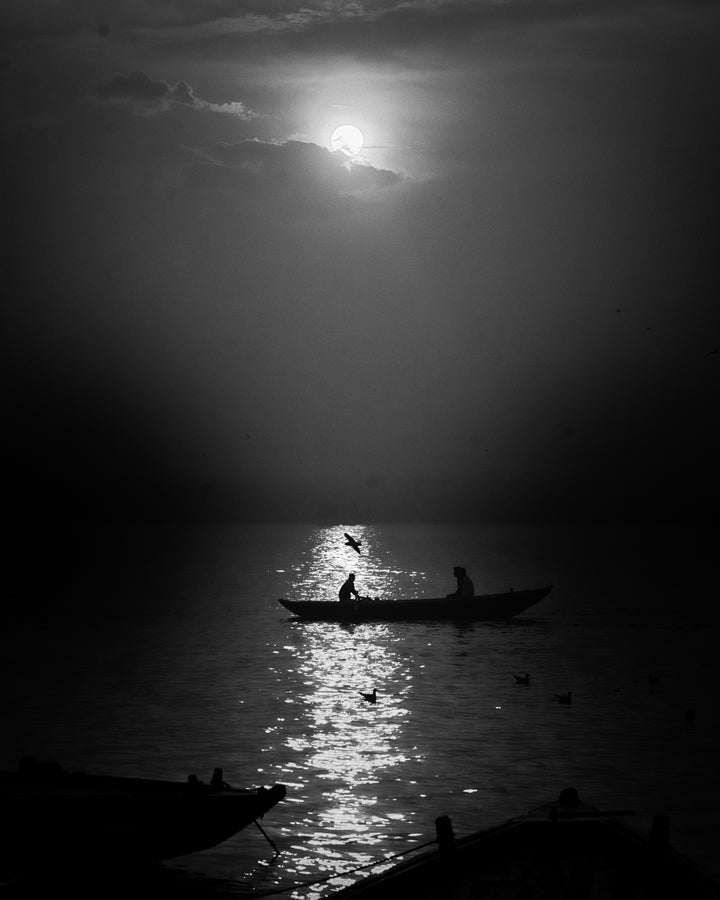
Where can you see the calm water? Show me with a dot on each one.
(185, 668)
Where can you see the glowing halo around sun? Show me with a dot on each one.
(348, 139)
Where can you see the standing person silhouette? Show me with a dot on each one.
(347, 591)
(465, 587)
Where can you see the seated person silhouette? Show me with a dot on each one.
(465, 587)
(347, 591)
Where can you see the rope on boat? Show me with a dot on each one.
(378, 862)
(267, 837)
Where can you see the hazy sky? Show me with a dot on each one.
(507, 306)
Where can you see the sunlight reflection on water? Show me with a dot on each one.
(328, 561)
(348, 744)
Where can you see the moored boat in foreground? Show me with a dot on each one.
(563, 850)
(487, 607)
(49, 813)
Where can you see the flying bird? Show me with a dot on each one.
(522, 679)
(564, 698)
(371, 698)
(351, 542)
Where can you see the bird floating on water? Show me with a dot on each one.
(522, 679)
(351, 542)
(564, 698)
(371, 698)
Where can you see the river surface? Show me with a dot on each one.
(176, 669)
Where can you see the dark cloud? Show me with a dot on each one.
(380, 30)
(140, 91)
(297, 166)
(148, 96)
(393, 24)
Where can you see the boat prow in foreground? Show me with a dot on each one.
(487, 607)
(51, 813)
(562, 850)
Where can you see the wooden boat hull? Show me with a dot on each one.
(484, 608)
(582, 853)
(66, 815)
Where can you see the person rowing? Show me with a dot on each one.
(348, 590)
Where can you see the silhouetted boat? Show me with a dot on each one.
(485, 607)
(48, 813)
(562, 850)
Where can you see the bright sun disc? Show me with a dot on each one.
(348, 139)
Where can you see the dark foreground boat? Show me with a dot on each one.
(483, 608)
(48, 813)
(563, 850)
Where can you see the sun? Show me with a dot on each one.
(347, 139)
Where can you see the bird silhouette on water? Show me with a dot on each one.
(522, 679)
(371, 698)
(351, 542)
(564, 698)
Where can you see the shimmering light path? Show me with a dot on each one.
(348, 747)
